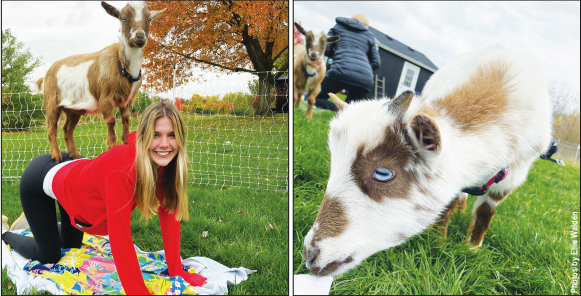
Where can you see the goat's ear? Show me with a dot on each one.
(340, 104)
(402, 102)
(112, 11)
(426, 133)
(333, 39)
(155, 13)
(301, 30)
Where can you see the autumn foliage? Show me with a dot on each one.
(229, 36)
(298, 37)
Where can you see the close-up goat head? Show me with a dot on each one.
(398, 166)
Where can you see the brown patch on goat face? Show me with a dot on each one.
(392, 155)
(483, 99)
(331, 219)
(330, 267)
(480, 223)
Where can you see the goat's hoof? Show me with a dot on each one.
(58, 158)
(74, 155)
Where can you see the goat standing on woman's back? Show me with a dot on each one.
(97, 82)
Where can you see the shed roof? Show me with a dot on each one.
(390, 44)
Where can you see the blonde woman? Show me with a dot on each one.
(98, 195)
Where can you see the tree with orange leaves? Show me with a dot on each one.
(231, 36)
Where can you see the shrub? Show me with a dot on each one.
(237, 103)
(21, 112)
(566, 127)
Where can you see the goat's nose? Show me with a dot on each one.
(311, 255)
(140, 36)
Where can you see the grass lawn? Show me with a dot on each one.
(237, 164)
(527, 249)
(239, 240)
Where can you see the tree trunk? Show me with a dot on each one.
(265, 94)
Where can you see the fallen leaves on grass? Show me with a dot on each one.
(204, 234)
(220, 220)
(269, 227)
(240, 212)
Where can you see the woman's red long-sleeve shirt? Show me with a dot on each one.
(99, 192)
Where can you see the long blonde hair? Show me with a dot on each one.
(175, 174)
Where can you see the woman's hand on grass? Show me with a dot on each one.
(193, 279)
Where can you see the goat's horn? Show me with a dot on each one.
(402, 102)
(338, 101)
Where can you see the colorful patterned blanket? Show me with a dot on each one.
(91, 270)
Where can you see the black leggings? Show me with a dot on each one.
(354, 93)
(40, 213)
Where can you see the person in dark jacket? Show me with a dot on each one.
(552, 150)
(354, 59)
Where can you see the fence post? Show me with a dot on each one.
(576, 154)
(174, 84)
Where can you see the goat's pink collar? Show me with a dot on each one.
(480, 191)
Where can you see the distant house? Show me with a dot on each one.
(402, 67)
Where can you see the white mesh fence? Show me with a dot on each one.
(567, 151)
(228, 146)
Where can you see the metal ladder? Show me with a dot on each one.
(377, 81)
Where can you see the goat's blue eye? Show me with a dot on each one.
(383, 175)
(149, 21)
(123, 19)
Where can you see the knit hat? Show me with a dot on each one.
(361, 18)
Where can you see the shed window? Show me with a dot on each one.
(408, 77)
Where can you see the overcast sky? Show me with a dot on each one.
(442, 30)
(56, 30)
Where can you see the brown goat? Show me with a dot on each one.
(309, 66)
(97, 82)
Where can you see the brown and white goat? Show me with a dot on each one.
(309, 66)
(398, 166)
(97, 82)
